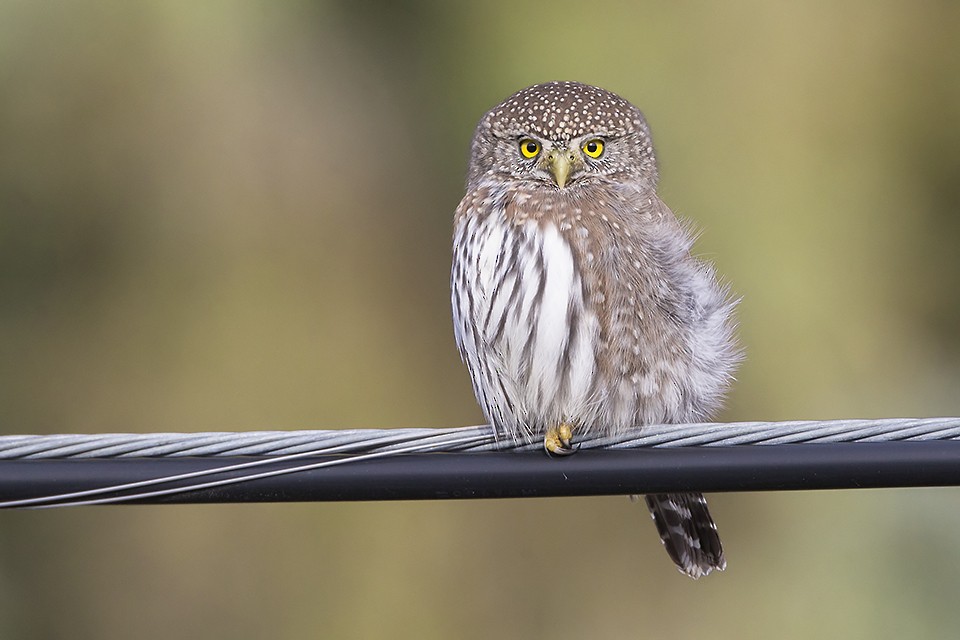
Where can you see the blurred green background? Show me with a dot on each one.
(237, 215)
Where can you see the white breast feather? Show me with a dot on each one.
(516, 369)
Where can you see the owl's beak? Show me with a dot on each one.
(560, 163)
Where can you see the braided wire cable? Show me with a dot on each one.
(462, 439)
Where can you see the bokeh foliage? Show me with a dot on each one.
(236, 215)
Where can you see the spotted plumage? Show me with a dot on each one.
(577, 303)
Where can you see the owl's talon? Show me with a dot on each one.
(558, 440)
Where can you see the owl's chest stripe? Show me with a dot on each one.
(505, 288)
(556, 290)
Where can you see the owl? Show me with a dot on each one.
(578, 307)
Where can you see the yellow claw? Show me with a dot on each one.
(557, 440)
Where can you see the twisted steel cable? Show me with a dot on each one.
(462, 439)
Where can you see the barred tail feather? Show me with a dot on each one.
(688, 532)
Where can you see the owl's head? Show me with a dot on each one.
(559, 135)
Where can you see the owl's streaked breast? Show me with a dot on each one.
(590, 314)
(521, 322)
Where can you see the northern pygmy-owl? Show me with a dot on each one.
(577, 305)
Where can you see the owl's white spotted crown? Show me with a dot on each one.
(563, 111)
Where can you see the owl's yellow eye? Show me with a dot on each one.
(593, 148)
(529, 148)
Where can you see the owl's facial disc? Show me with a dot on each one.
(560, 163)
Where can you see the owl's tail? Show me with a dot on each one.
(688, 532)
